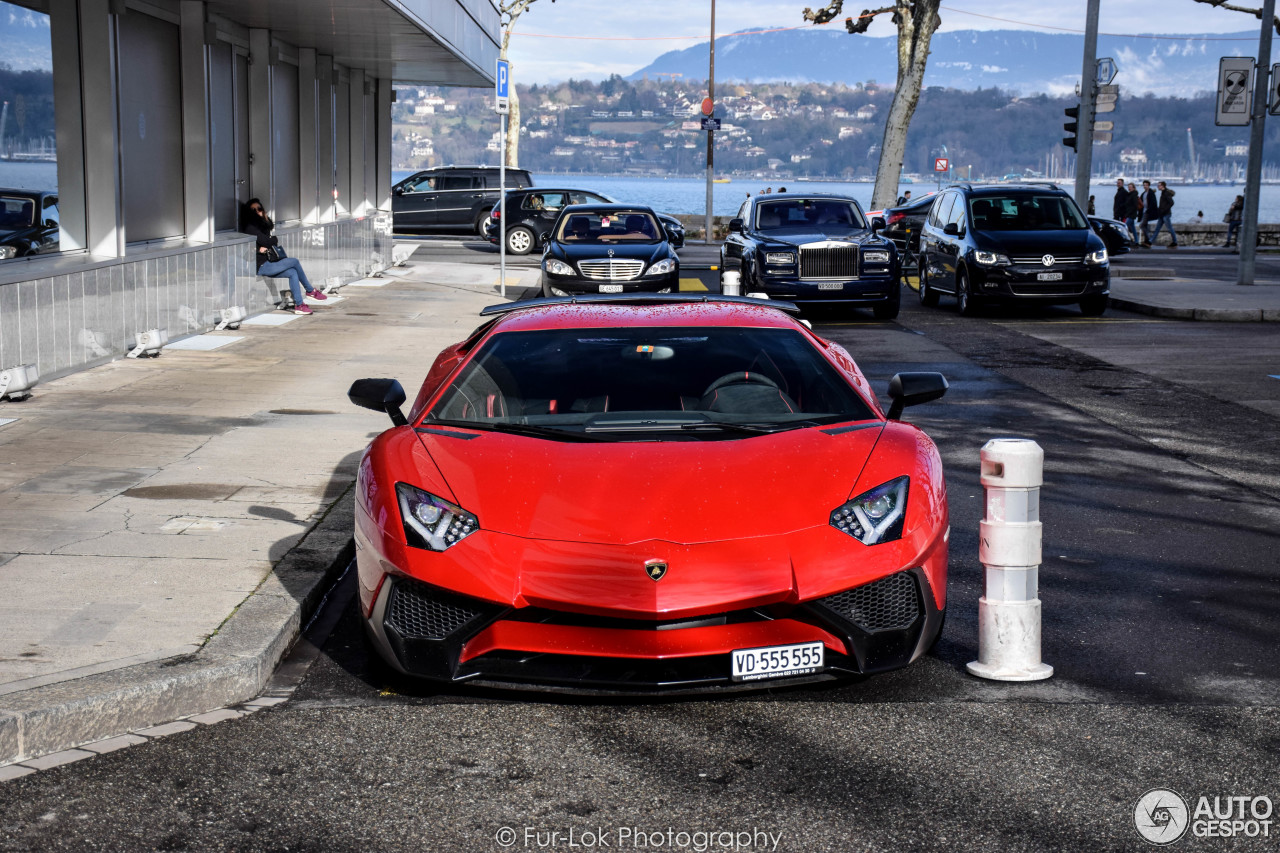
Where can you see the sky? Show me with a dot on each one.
(613, 37)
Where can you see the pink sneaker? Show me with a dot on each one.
(301, 309)
(317, 295)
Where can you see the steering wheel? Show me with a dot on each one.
(740, 377)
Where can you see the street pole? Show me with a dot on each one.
(502, 206)
(1088, 85)
(711, 93)
(1253, 177)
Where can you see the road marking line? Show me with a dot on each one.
(692, 285)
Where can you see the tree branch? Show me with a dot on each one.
(859, 24)
(1257, 13)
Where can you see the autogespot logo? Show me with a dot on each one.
(1161, 816)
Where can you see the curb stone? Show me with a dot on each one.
(233, 666)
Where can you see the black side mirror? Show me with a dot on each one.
(735, 225)
(544, 239)
(381, 395)
(912, 389)
(951, 229)
(877, 224)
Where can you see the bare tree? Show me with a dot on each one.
(1257, 13)
(511, 10)
(917, 20)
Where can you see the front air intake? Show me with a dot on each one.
(417, 611)
(889, 604)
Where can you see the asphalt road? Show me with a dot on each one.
(1161, 509)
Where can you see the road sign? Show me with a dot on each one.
(502, 87)
(1235, 95)
(1102, 138)
(711, 124)
(941, 164)
(708, 106)
(1104, 126)
(1106, 70)
(1274, 106)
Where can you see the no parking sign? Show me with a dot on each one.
(941, 164)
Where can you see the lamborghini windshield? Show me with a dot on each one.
(610, 384)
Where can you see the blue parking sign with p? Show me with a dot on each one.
(502, 79)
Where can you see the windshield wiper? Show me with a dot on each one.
(518, 429)
(750, 429)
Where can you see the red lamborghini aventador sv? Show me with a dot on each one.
(645, 494)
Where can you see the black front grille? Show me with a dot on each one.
(889, 604)
(1048, 288)
(839, 262)
(420, 612)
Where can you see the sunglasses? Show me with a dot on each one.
(256, 209)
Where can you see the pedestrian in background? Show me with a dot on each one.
(1092, 211)
(1149, 212)
(1132, 206)
(1235, 215)
(1120, 201)
(1198, 219)
(1164, 215)
(270, 257)
(904, 198)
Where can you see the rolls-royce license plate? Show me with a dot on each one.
(617, 288)
(830, 285)
(1049, 276)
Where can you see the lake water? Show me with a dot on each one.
(688, 195)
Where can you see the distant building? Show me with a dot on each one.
(1236, 150)
(865, 113)
(1134, 157)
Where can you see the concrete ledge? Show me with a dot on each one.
(1209, 315)
(1153, 310)
(1148, 273)
(233, 666)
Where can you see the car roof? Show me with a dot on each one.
(593, 313)
(786, 196)
(606, 207)
(996, 189)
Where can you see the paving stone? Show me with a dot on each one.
(15, 771)
(112, 744)
(166, 729)
(216, 716)
(266, 702)
(57, 759)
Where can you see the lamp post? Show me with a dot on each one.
(711, 93)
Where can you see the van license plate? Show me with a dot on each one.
(1049, 276)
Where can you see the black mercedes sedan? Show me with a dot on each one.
(813, 248)
(28, 223)
(608, 248)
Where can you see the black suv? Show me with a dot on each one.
(457, 198)
(1012, 243)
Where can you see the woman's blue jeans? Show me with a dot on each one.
(291, 269)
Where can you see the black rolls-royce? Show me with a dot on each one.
(813, 248)
(608, 248)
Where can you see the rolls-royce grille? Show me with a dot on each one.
(839, 262)
(891, 603)
(1058, 260)
(612, 269)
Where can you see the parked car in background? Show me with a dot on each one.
(1114, 233)
(608, 248)
(902, 225)
(649, 494)
(1012, 243)
(532, 211)
(813, 248)
(28, 223)
(456, 198)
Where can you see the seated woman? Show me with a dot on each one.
(254, 221)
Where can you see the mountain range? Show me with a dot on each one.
(1021, 61)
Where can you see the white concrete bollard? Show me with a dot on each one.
(731, 283)
(1009, 549)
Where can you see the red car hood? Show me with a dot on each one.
(679, 491)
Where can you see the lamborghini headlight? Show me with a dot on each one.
(876, 515)
(431, 522)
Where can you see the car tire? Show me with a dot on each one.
(928, 296)
(478, 226)
(966, 302)
(546, 289)
(889, 310)
(520, 241)
(1095, 306)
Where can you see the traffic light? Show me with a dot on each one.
(1071, 126)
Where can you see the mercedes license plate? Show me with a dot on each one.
(776, 661)
(1049, 276)
(830, 285)
(617, 288)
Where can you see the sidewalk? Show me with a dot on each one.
(144, 505)
(1194, 299)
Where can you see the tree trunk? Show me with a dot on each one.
(916, 24)
(513, 131)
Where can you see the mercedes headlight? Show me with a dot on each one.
(557, 267)
(1098, 257)
(876, 515)
(779, 258)
(431, 522)
(7, 252)
(663, 267)
(991, 259)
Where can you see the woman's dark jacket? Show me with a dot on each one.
(260, 228)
